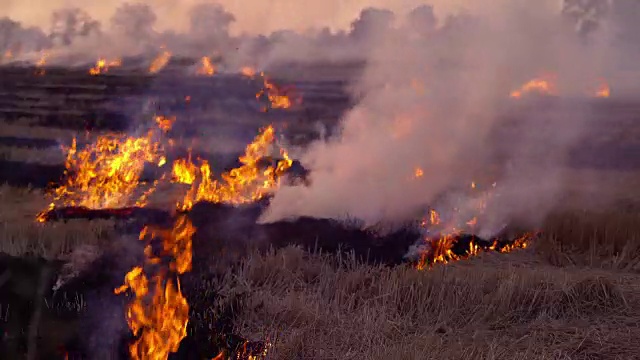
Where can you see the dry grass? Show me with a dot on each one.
(322, 307)
(20, 234)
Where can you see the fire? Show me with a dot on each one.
(159, 313)
(441, 249)
(544, 85)
(277, 96)
(41, 64)
(207, 68)
(160, 62)
(241, 185)
(102, 66)
(184, 171)
(248, 71)
(452, 239)
(603, 90)
(418, 172)
(106, 174)
(165, 123)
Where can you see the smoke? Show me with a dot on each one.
(433, 98)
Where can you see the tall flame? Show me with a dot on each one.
(241, 185)
(106, 173)
(206, 68)
(160, 62)
(159, 313)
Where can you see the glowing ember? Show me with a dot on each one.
(160, 62)
(106, 174)
(159, 313)
(206, 68)
(102, 66)
(542, 86)
(241, 185)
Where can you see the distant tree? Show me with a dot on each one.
(586, 16)
(134, 20)
(371, 23)
(67, 24)
(421, 20)
(210, 21)
(9, 30)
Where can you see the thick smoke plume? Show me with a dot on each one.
(433, 99)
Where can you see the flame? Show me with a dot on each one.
(544, 85)
(603, 90)
(248, 71)
(418, 172)
(241, 185)
(159, 319)
(207, 68)
(106, 174)
(41, 64)
(102, 66)
(184, 171)
(441, 249)
(160, 62)
(278, 97)
(165, 123)
(454, 239)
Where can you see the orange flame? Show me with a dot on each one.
(418, 172)
(160, 319)
(603, 91)
(106, 174)
(160, 62)
(277, 96)
(102, 66)
(241, 185)
(207, 68)
(544, 86)
(41, 64)
(165, 123)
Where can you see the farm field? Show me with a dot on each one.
(310, 288)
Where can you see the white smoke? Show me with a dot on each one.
(432, 99)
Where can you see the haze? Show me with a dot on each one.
(253, 16)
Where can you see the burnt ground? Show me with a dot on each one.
(304, 284)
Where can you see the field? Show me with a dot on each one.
(574, 293)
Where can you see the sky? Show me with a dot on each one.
(253, 16)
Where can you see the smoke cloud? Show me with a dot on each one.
(431, 97)
(433, 100)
